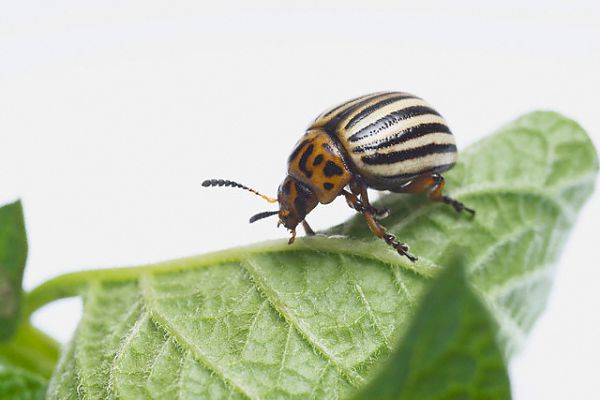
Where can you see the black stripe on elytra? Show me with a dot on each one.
(327, 147)
(318, 160)
(333, 125)
(304, 159)
(332, 169)
(391, 119)
(372, 108)
(403, 155)
(340, 106)
(336, 108)
(297, 150)
(404, 136)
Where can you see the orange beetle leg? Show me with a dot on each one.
(360, 189)
(435, 184)
(376, 228)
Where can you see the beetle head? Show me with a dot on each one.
(295, 201)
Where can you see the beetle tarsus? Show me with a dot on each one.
(457, 205)
(401, 248)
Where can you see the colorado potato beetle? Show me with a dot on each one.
(391, 141)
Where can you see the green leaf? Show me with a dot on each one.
(316, 319)
(13, 254)
(20, 384)
(26, 364)
(449, 352)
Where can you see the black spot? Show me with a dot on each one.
(328, 186)
(318, 160)
(297, 150)
(304, 158)
(332, 169)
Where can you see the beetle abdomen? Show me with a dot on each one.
(391, 137)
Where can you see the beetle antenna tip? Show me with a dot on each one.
(228, 183)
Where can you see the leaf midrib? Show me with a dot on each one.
(75, 283)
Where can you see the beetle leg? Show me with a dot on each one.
(353, 201)
(436, 195)
(307, 229)
(360, 189)
(435, 184)
(376, 228)
(293, 232)
(379, 213)
(380, 232)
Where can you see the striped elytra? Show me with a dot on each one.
(386, 141)
(389, 138)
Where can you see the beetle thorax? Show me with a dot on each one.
(317, 163)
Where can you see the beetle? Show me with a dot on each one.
(391, 141)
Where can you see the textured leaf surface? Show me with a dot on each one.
(315, 319)
(19, 384)
(449, 352)
(13, 254)
(26, 364)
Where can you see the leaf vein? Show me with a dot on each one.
(400, 285)
(366, 304)
(164, 322)
(133, 332)
(305, 332)
(284, 354)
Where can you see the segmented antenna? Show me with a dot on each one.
(227, 183)
(262, 215)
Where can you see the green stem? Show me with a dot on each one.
(72, 284)
(32, 350)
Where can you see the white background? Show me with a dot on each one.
(113, 112)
